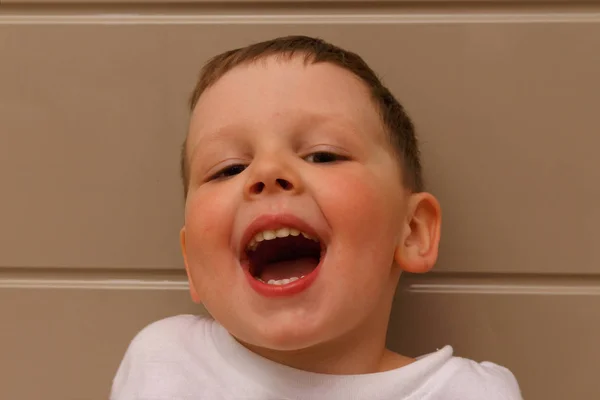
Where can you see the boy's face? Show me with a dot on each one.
(301, 146)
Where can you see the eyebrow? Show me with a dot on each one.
(223, 133)
(338, 121)
(309, 120)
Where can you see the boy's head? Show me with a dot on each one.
(396, 123)
(289, 137)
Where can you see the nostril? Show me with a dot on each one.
(279, 184)
(258, 187)
(285, 185)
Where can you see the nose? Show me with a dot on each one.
(272, 175)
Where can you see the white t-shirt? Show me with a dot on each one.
(189, 357)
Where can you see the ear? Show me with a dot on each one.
(417, 250)
(193, 292)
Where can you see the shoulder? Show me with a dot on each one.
(466, 379)
(160, 350)
(177, 327)
(170, 338)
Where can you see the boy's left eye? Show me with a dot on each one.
(324, 157)
(228, 172)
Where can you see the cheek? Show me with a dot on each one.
(208, 221)
(361, 197)
(365, 211)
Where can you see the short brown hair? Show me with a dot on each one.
(395, 120)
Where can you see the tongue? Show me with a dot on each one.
(287, 269)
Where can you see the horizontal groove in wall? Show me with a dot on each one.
(93, 284)
(507, 289)
(527, 284)
(113, 279)
(322, 3)
(63, 273)
(122, 19)
(95, 278)
(495, 283)
(281, 7)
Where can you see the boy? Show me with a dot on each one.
(304, 203)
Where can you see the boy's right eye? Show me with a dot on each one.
(228, 171)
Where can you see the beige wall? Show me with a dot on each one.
(93, 110)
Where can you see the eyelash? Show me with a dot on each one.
(228, 172)
(236, 169)
(333, 157)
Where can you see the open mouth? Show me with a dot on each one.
(282, 256)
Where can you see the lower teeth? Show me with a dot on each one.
(281, 281)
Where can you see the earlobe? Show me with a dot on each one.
(193, 291)
(417, 250)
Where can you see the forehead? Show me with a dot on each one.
(280, 91)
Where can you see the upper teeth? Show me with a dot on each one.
(277, 233)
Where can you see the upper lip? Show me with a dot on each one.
(275, 221)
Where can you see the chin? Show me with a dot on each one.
(287, 337)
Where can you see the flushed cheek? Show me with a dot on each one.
(360, 201)
(365, 219)
(209, 212)
(208, 222)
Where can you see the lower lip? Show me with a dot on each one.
(289, 289)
